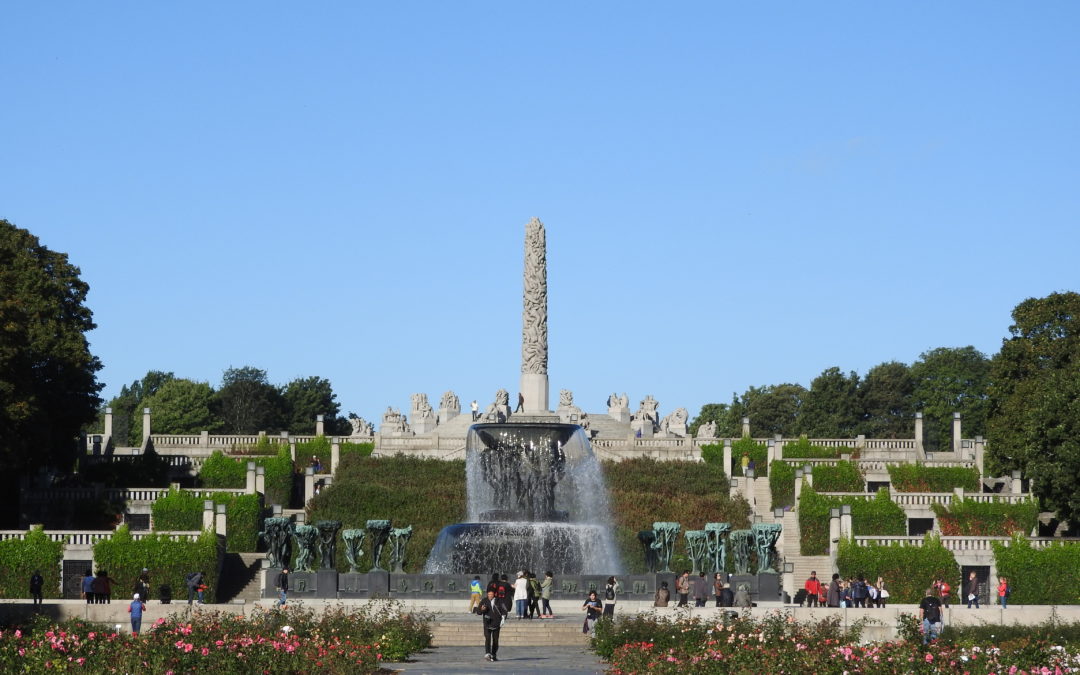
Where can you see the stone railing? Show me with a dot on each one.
(91, 537)
(915, 499)
(963, 543)
(46, 495)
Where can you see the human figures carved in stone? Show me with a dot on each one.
(277, 533)
(697, 549)
(742, 543)
(648, 410)
(664, 544)
(675, 423)
(707, 430)
(421, 409)
(307, 540)
(354, 548)
(379, 531)
(765, 536)
(328, 530)
(449, 401)
(646, 538)
(717, 545)
(615, 402)
(566, 398)
(534, 338)
(393, 422)
(499, 411)
(360, 426)
(399, 540)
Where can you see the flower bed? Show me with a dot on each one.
(778, 644)
(294, 640)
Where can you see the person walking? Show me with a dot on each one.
(930, 613)
(718, 586)
(521, 594)
(944, 592)
(813, 589)
(88, 587)
(971, 590)
(682, 587)
(492, 615)
(701, 590)
(1003, 592)
(36, 584)
(504, 595)
(546, 587)
(663, 595)
(193, 581)
(882, 592)
(593, 609)
(521, 403)
(476, 594)
(283, 586)
(611, 591)
(136, 609)
(833, 595)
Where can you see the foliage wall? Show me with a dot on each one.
(177, 511)
(922, 478)
(168, 561)
(877, 516)
(1049, 576)
(844, 476)
(992, 519)
(19, 558)
(758, 452)
(907, 570)
(782, 483)
(804, 449)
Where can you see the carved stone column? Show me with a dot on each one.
(534, 339)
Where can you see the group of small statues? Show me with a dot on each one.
(320, 540)
(707, 548)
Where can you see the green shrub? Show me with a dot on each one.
(244, 517)
(803, 449)
(19, 558)
(222, 471)
(146, 470)
(1048, 576)
(179, 510)
(361, 449)
(316, 447)
(869, 517)
(758, 452)
(278, 476)
(921, 478)
(168, 561)
(906, 570)
(712, 453)
(843, 476)
(988, 519)
(263, 446)
(782, 484)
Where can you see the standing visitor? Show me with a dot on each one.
(813, 590)
(521, 403)
(971, 590)
(493, 617)
(1003, 592)
(930, 613)
(88, 587)
(476, 593)
(718, 587)
(142, 585)
(701, 590)
(504, 595)
(534, 595)
(202, 589)
(682, 587)
(611, 590)
(475, 410)
(944, 592)
(833, 595)
(593, 609)
(36, 584)
(663, 595)
(727, 597)
(742, 597)
(136, 609)
(545, 595)
(859, 592)
(193, 581)
(882, 592)
(103, 587)
(283, 586)
(745, 463)
(521, 594)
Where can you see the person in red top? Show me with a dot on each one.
(944, 590)
(813, 590)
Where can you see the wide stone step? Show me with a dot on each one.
(523, 633)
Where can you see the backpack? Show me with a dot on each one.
(609, 593)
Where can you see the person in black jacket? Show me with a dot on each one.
(36, 584)
(492, 615)
(283, 586)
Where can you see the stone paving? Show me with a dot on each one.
(548, 660)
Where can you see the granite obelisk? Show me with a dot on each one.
(534, 338)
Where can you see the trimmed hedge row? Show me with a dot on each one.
(1049, 576)
(183, 511)
(991, 519)
(877, 516)
(225, 471)
(922, 478)
(844, 476)
(361, 449)
(168, 561)
(803, 449)
(178, 511)
(907, 570)
(19, 558)
(782, 484)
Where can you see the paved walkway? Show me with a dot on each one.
(517, 660)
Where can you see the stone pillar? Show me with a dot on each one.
(204, 439)
(749, 494)
(320, 425)
(845, 521)
(335, 455)
(108, 423)
(745, 427)
(918, 433)
(534, 337)
(1017, 483)
(808, 474)
(260, 480)
(798, 486)
(834, 536)
(779, 454)
(219, 520)
(145, 425)
(956, 432)
(958, 494)
(309, 483)
(980, 455)
(292, 444)
(860, 441)
(770, 453)
(208, 514)
(249, 484)
(728, 469)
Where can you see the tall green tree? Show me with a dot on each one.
(772, 409)
(885, 396)
(48, 382)
(721, 413)
(949, 380)
(831, 408)
(127, 406)
(248, 403)
(181, 406)
(306, 397)
(1034, 410)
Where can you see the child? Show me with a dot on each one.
(475, 592)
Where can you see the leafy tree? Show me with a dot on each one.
(831, 408)
(48, 384)
(773, 409)
(248, 403)
(181, 406)
(885, 397)
(306, 397)
(1034, 416)
(721, 413)
(127, 406)
(949, 380)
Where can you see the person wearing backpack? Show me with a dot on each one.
(930, 613)
(193, 580)
(858, 592)
(611, 590)
(534, 595)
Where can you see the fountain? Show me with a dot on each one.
(536, 501)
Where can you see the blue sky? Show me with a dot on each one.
(735, 194)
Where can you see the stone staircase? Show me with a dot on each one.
(241, 580)
(468, 632)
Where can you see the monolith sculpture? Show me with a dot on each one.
(534, 337)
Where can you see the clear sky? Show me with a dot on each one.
(735, 194)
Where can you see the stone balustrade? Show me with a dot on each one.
(962, 544)
(91, 537)
(917, 499)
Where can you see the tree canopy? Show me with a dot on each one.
(48, 382)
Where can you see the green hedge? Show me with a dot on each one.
(279, 477)
(782, 483)
(244, 518)
(712, 453)
(1049, 576)
(759, 452)
(843, 476)
(921, 478)
(360, 449)
(803, 449)
(178, 511)
(317, 447)
(19, 558)
(221, 471)
(906, 570)
(168, 561)
(877, 516)
(990, 519)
